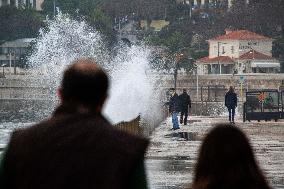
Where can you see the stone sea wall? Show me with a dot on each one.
(21, 93)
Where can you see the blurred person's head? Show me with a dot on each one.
(226, 161)
(172, 91)
(184, 90)
(231, 89)
(84, 86)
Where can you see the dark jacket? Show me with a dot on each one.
(185, 102)
(174, 103)
(72, 150)
(231, 100)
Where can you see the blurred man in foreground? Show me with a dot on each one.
(77, 147)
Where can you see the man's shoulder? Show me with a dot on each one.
(95, 128)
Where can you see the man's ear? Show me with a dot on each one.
(59, 94)
(104, 100)
(101, 105)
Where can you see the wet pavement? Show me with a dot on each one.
(172, 154)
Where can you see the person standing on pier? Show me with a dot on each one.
(76, 147)
(231, 101)
(174, 108)
(185, 105)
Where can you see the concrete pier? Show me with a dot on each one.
(172, 154)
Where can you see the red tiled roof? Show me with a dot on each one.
(252, 54)
(220, 59)
(241, 35)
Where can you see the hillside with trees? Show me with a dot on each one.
(189, 27)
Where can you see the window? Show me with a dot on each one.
(223, 50)
(232, 49)
(215, 48)
(5, 50)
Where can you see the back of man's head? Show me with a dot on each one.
(84, 83)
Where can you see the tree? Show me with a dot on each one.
(90, 10)
(13, 26)
(66, 6)
(261, 16)
(174, 55)
(103, 23)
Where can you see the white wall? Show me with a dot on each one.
(38, 4)
(264, 46)
(227, 45)
(239, 47)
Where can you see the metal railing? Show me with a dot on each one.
(132, 127)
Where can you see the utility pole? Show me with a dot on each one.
(54, 8)
(177, 59)
(219, 57)
(197, 85)
(10, 62)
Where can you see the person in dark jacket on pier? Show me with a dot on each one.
(76, 147)
(185, 105)
(174, 108)
(231, 101)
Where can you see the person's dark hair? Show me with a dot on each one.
(84, 82)
(184, 90)
(231, 89)
(226, 160)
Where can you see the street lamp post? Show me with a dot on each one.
(9, 55)
(178, 56)
(54, 9)
(175, 77)
(3, 65)
(197, 82)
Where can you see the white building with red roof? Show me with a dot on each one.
(239, 51)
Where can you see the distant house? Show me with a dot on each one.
(208, 3)
(240, 52)
(156, 25)
(12, 53)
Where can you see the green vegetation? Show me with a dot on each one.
(187, 33)
(19, 23)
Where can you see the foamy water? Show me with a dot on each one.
(64, 40)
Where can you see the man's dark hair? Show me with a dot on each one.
(84, 82)
(184, 90)
(231, 89)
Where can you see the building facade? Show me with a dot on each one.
(240, 52)
(12, 54)
(36, 4)
(209, 3)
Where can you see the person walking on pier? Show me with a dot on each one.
(231, 101)
(77, 147)
(226, 160)
(174, 108)
(185, 105)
